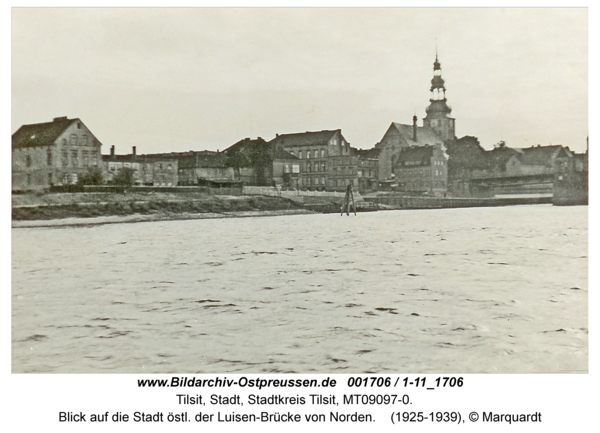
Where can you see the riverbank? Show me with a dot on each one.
(51, 210)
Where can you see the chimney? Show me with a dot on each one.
(133, 150)
(58, 119)
(112, 152)
(414, 128)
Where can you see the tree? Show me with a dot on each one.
(125, 178)
(92, 177)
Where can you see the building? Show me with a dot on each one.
(258, 163)
(505, 171)
(420, 170)
(52, 153)
(325, 162)
(204, 168)
(148, 170)
(438, 128)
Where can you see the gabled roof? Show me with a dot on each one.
(40, 134)
(279, 153)
(308, 138)
(424, 135)
(542, 155)
(417, 155)
(244, 144)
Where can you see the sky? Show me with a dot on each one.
(193, 79)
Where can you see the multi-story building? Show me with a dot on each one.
(258, 163)
(52, 153)
(149, 170)
(319, 152)
(421, 170)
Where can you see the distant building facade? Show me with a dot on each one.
(326, 161)
(52, 153)
(260, 163)
(421, 170)
(148, 170)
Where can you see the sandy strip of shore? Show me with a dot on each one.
(161, 216)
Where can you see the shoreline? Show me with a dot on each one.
(137, 218)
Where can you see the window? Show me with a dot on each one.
(308, 167)
(73, 140)
(28, 160)
(74, 161)
(169, 167)
(84, 140)
(300, 154)
(65, 158)
(28, 179)
(49, 157)
(50, 178)
(286, 168)
(322, 181)
(322, 153)
(94, 158)
(316, 153)
(86, 158)
(308, 154)
(78, 125)
(296, 168)
(160, 166)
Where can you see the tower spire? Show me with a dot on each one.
(438, 112)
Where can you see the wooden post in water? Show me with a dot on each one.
(349, 195)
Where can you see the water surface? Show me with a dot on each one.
(423, 291)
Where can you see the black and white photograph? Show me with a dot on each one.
(296, 190)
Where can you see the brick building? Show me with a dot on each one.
(326, 161)
(52, 153)
(421, 170)
(149, 170)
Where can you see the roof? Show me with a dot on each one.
(418, 155)
(424, 135)
(40, 134)
(279, 153)
(244, 144)
(308, 138)
(367, 153)
(541, 155)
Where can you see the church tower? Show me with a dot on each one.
(438, 112)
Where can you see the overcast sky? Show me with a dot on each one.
(179, 79)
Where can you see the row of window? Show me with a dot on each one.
(117, 166)
(75, 140)
(307, 181)
(309, 153)
(88, 157)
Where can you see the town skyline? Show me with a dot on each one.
(172, 80)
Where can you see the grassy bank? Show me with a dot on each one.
(30, 207)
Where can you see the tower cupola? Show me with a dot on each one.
(438, 111)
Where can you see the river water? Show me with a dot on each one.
(420, 291)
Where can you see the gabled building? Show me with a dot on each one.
(421, 170)
(320, 152)
(258, 163)
(52, 153)
(536, 160)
